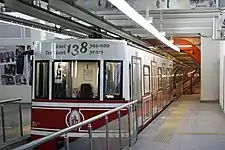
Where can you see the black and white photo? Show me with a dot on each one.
(20, 79)
(203, 3)
(12, 71)
(7, 80)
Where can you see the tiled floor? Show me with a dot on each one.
(186, 125)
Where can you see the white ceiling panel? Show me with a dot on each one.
(174, 22)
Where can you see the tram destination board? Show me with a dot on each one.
(79, 49)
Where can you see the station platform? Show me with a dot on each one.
(186, 125)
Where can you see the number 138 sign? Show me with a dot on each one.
(76, 49)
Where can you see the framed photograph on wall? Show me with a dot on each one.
(12, 72)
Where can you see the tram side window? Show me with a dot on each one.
(168, 76)
(146, 79)
(159, 78)
(76, 80)
(113, 80)
(42, 80)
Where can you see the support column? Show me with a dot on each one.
(210, 58)
(222, 68)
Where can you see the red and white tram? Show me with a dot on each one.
(77, 79)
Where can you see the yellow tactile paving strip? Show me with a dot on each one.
(170, 125)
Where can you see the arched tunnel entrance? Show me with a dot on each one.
(187, 72)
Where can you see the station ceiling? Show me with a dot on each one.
(177, 23)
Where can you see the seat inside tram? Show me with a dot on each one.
(78, 80)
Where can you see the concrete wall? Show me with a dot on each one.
(210, 58)
(16, 91)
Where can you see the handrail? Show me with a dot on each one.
(192, 84)
(71, 128)
(10, 100)
(2, 102)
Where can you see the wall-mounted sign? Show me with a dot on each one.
(88, 74)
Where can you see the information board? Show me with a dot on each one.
(81, 49)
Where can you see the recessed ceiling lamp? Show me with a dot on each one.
(139, 19)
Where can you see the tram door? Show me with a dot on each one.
(154, 87)
(136, 93)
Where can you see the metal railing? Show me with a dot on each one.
(2, 105)
(190, 84)
(131, 106)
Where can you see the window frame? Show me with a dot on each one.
(53, 68)
(153, 77)
(35, 80)
(160, 87)
(168, 76)
(120, 97)
(149, 77)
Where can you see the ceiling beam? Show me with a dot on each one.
(187, 30)
(81, 14)
(29, 23)
(180, 55)
(48, 16)
(184, 58)
(168, 21)
(165, 11)
(204, 16)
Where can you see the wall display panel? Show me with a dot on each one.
(11, 71)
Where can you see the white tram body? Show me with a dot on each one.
(77, 79)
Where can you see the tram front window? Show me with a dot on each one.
(42, 80)
(113, 80)
(76, 80)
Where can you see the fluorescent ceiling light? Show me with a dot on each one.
(113, 35)
(162, 33)
(184, 46)
(151, 47)
(61, 36)
(171, 40)
(57, 34)
(83, 23)
(131, 13)
(149, 19)
(19, 15)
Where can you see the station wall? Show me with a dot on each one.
(210, 62)
(11, 35)
(221, 3)
(222, 69)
